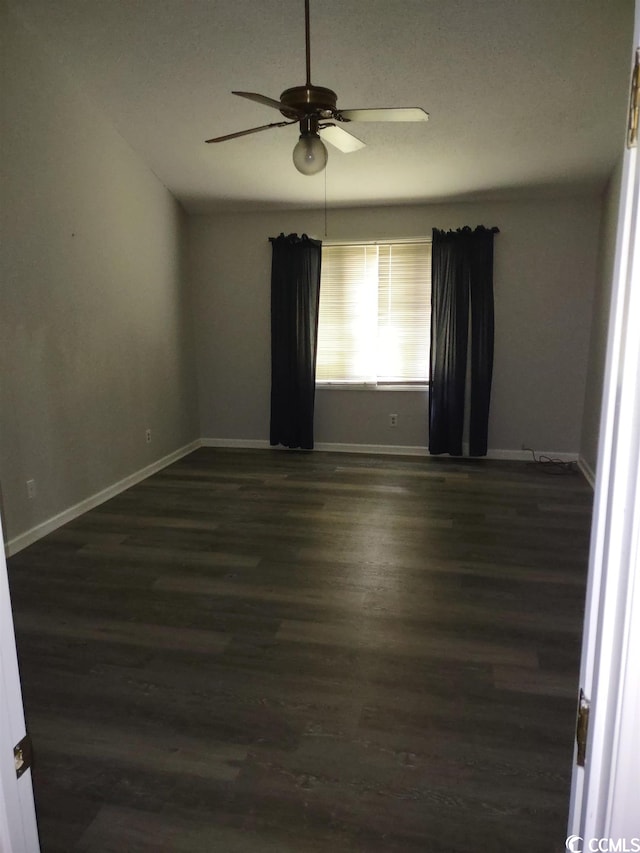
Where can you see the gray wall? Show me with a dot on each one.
(600, 325)
(545, 273)
(95, 325)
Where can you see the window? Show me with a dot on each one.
(375, 314)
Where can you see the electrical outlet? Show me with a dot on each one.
(31, 489)
(148, 436)
(393, 420)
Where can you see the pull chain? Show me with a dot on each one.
(325, 202)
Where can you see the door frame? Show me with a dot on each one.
(18, 826)
(603, 801)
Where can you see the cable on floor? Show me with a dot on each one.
(550, 465)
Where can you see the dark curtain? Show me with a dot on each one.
(295, 298)
(462, 276)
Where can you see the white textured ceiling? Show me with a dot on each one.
(523, 95)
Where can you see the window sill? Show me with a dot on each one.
(369, 386)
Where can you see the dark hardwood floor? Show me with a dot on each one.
(283, 652)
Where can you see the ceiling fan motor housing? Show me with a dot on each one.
(308, 100)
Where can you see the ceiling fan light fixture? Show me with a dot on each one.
(309, 155)
(309, 105)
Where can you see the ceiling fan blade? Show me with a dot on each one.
(251, 130)
(393, 114)
(263, 99)
(341, 139)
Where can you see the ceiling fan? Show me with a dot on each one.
(315, 109)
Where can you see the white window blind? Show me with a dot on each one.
(375, 312)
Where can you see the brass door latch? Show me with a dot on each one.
(22, 756)
(582, 728)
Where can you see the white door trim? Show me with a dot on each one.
(18, 828)
(604, 793)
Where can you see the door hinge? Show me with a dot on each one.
(582, 728)
(634, 104)
(22, 756)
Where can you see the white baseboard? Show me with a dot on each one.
(327, 446)
(33, 534)
(587, 470)
(389, 449)
(402, 450)
(525, 455)
(242, 443)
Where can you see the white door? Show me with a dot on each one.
(605, 794)
(18, 830)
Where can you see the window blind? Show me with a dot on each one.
(375, 310)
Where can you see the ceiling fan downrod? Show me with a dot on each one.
(307, 39)
(307, 100)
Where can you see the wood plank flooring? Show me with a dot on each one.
(258, 651)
